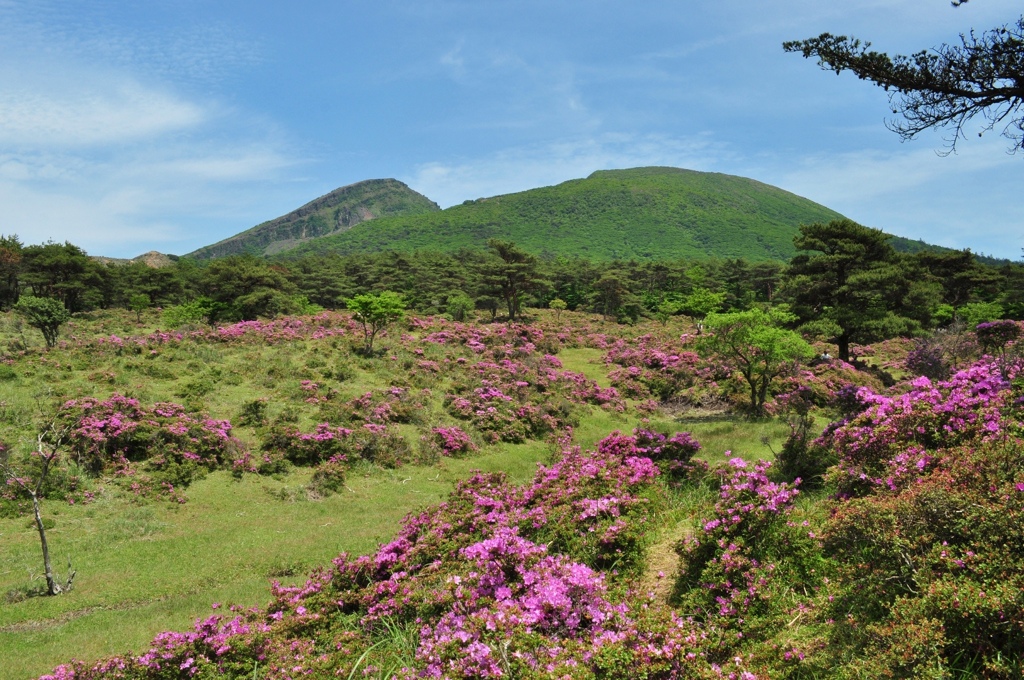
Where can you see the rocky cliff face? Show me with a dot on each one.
(332, 213)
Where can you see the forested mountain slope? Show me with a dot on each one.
(642, 213)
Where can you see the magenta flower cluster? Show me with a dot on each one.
(499, 581)
(892, 441)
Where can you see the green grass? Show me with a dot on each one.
(144, 569)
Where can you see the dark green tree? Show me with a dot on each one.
(946, 87)
(849, 285)
(249, 287)
(10, 270)
(65, 272)
(962, 278)
(511, 275)
(613, 298)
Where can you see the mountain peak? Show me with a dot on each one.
(332, 213)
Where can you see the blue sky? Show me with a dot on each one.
(171, 124)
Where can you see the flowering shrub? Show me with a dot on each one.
(372, 442)
(329, 476)
(310, 448)
(116, 434)
(391, 405)
(927, 359)
(892, 442)
(737, 565)
(995, 335)
(666, 371)
(931, 575)
(491, 581)
(449, 441)
(673, 455)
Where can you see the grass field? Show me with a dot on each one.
(152, 566)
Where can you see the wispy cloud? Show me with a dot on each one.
(82, 109)
(914, 192)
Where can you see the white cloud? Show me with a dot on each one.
(88, 110)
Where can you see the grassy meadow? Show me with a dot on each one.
(146, 565)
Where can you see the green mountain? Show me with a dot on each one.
(643, 213)
(332, 213)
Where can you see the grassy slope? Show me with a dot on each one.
(643, 213)
(152, 567)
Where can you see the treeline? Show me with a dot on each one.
(847, 284)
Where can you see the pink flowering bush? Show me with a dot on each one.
(925, 531)
(648, 367)
(736, 566)
(994, 336)
(391, 405)
(373, 443)
(448, 441)
(309, 448)
(892, 441)
(499, 581)
(120, 436)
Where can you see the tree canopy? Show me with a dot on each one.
(46, 314)
(375, 313)
(849, 285)
(946, 87)
(754, 342)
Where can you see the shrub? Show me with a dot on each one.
(329, 477)
(449, 441)
(995, 335)
(927, 359)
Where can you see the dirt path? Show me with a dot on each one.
(663, 563)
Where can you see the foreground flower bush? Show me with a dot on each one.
(927, 530)
(499, 581)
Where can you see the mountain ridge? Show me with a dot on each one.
(644, 213)
(334, 212)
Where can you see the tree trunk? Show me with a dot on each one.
(843, 343)
(52, 587)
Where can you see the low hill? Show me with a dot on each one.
(642, 213)
(153, 259)
(332, 213)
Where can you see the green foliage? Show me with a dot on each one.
(46, 314)
(756, 345)
(850, 286)
(459, 305)
(248, 288)
(642, 213)
(138, 304)
(511, 275)
(700, 303)
(558, 305)
(190, 313)
(65, 272)
(375, 313)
